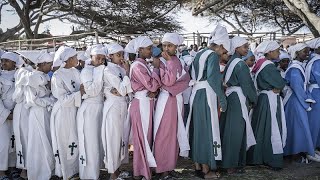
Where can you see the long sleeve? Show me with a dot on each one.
(246, 82)
(66, 98)
(179, 86)
(33, 100)
(150, 82)
(270, 78)
(315, 72)
(4, 112)
(115, 82)
(91, 78)
(296, 83)
(214, 79)
(168, 73)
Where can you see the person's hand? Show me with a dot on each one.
(126, 66)
(115, 92)
(277, 91)
(82, 91)
(166, 56)
(152, 94)
(156, 63)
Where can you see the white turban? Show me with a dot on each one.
(295, 48)
(220, 37)
(12, 57)
(314, 43)
(130, 47)
(114, 48)
(236, 42)
(142, 42)
(173, 38)
(36, 57)
(265, 47)
(284, 55)
(98, 49)
(81, 55)
(62, 55)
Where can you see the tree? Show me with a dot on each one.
(104, 16)
(248, 16)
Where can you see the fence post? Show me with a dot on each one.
(97, 36)
(54, 44)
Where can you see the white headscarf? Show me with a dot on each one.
(236, 42)
(220, 37)
(1, 52)
(295, 48)
(81, 55)
(98, 49)
(130, 47)
(265, 47)
(284, 55)
(12, 57)
(114, 48)
(36, 57)
(314, 43)
(62, 55)
(173, 38)
(141, 42)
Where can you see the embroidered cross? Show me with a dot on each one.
(72, 83)
(12, 141)
(20, 156)
(82, 159)
(57, 155)
(72, 146)
(120, 76)
(216, 146)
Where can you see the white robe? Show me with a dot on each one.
(7, 141)
(38, 100)
(65, 86)
(89, 119)
(21, 116)
(115, 125)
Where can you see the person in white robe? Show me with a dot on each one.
(9, 62)
(115, 126)
(89, 116)
(66, 88)
(39, 101)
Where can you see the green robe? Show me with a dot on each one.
(262, 153)
(232, 124)
(202, 150)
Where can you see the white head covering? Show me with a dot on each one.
(81, 55)
(36, 57)
(173, 38)
(284, 55)
(98, 49)
(114, 48)
(220, 37)
(265, 47)
(12, 57)
(236, 42)
(295, 48)
(130, 47)
(141, 42)
(314, 43)
(1, 52)
(62, 55)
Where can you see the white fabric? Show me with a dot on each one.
(41, 159)
(114, 48)
(173, 38)
(130, 47)
(65, 86)
(309, 67)
(82, 56)
(89, 120)
(29, 54)
(144, 104)
(62, 55)
(284, 55)
(245, 114)
(182, 135)
(141, 42)
(212, 101)
(295, 48)
(7, 144)
(255, 76)
(13, 57)
(314, 43)
(115, 125)
(236, 42)
(265, 47)
(98, 49)
(220, 37)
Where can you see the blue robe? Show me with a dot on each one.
(298, 130)
(314, 118)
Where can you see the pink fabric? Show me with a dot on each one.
(166, 143)
(258, 64)
(141, 80)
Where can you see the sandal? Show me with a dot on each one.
(74, 177)
(5, 177)
(217, 175)
(15, 175)
(124, 175)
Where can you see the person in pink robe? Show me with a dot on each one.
(175, 79)
(145, 84)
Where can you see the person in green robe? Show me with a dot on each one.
(206, 94)
(268, 121)
(241, 94)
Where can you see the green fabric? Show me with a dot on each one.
(269, 78)
(200, 126)
(232, 124)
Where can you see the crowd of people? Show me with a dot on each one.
(70, 113)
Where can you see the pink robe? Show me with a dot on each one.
(166, 143)
(141, 80)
